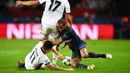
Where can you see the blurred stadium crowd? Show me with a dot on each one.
(114, 12)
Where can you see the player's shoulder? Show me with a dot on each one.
(39, 44)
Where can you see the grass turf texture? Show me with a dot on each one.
(13, 50)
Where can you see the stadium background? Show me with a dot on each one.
(103, 24)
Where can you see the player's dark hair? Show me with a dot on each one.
(61, 21)
(48, 45)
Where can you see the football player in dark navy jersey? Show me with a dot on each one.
(78, 46)
(75, 43)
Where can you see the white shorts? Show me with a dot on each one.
(49, 26)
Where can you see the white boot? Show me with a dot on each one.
(108, 56)
(91, 67)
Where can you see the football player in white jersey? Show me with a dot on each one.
(37, 57)
(53, 11)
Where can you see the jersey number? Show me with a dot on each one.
(57, 3)
(32, 57)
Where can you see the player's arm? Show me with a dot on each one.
(52, 67)
(68, 19)
(46, 61)
(63, 38)
(57, 54)
(30, 3)
(27, 3)
(68, 11)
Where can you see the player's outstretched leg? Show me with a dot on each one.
(90, 67)
(21, 64)
(76, 64)
(95, 55)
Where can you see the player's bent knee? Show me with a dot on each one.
(85, 55)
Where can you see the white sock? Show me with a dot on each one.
(54, 57)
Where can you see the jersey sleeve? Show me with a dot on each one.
(41, 1)
(66, 36)
(67, 6)
(45, 60)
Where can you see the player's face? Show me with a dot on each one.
(60, 27)
(47, 51)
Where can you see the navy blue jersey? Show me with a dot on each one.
(70, 35)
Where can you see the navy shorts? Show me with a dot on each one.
(76, 50)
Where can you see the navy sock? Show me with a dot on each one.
(95, 55)
(78, 65)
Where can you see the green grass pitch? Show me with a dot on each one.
(13, 50)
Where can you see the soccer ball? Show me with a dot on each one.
(67, 61)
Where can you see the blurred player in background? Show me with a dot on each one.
(53, 11)
(78, 46)
(37, 58)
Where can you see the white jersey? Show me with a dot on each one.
(36, 57)
(54, 10)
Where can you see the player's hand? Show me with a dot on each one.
(19, 3)
(60, 57)
(70, 69)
